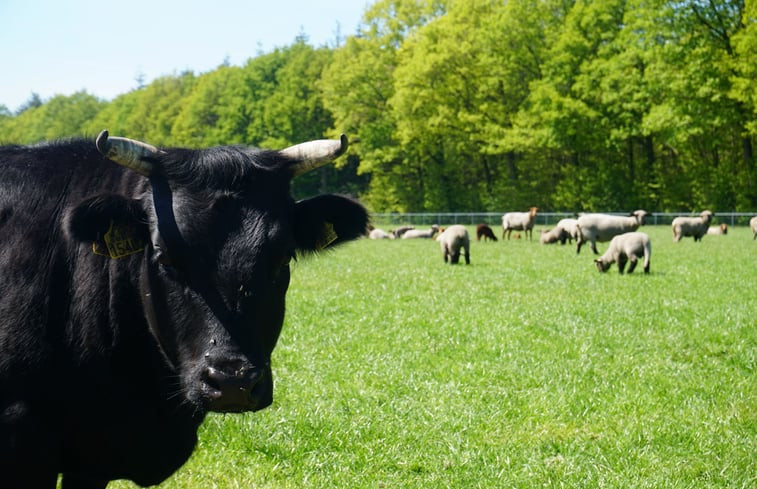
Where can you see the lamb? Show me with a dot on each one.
(625, 247)
(718, 230)
(519, 221)
(377, 233)
(398, 232)
(484, 231)
(753, 225)
(417, 233)
(695, 227)
(604, 227)
(452, 240)
(549, 236)
(570, 230)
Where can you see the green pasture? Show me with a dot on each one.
(527, 368)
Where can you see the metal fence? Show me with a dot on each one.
(542, 218)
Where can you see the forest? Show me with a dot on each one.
(477, 105)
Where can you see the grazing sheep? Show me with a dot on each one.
(604, 227)
(519, 221)
(570, 230)
(625, 247)
(695, 227)
(549, 236)
(417, 233)
(377, 233)
(398, 232)
(753, 225)
(718, 230)
(452, 240)
(484, 231)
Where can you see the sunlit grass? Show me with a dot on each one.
(527, 368)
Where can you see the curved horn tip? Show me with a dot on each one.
(102, 142)
(343, 144)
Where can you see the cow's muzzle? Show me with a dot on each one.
(236, 386)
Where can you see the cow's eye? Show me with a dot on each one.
(165, 261)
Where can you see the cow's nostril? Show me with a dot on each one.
(230, 388)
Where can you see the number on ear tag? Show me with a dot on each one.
(120, 240)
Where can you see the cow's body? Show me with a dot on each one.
(109, 365)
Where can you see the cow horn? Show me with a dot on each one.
(313, 154)
(127, 152)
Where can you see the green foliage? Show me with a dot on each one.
(480, 105)
(147, 114)
(527, 368)
(214, 112)
(61, 116)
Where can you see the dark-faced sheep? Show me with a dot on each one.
(696, 227)
(417, 233)
(519, 221)
(623, 248)
(549, 236)
(398, 232)
(452, 240)
(604, 227)
(570, 230)
(484, 231)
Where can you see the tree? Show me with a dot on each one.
(214, 111)
(716, 147)
(32, 102)
(460, 82)
(61, 116)
(149, 113)
(357, 86)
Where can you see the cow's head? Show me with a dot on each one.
(221, 228)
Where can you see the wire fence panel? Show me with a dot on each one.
(542, 218)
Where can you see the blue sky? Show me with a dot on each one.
(55, 47)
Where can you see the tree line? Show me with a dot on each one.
(479, 105)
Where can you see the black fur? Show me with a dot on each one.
(108, 366)
(314, 216)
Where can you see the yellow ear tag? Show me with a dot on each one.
(120, 240)
(327, 237)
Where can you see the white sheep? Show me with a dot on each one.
(417, 233)
(452, 240)
(398, 232)
(379, 234)
(519, 221)
(549, 236)
(718, 230)
(753, 225)
(625, 247)
(691, 226)
(604, 227)
(570, 229)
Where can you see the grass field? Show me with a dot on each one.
(527, 368)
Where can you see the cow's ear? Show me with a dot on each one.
(91, 219)
(328, 220)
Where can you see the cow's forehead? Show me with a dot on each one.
(226, 167)
(251, 216)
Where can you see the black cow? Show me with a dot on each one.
(136, 297)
